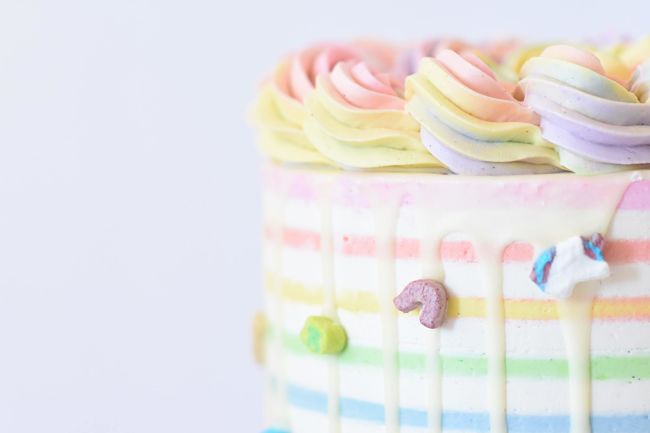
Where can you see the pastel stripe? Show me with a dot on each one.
(617, 251)
(315, 401)
(602, 368)
(637, 196)
(352, 190)
(637, 308)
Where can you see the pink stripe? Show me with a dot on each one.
(453, 251)
(301, 239)
(455, 192)
(616, 251)
(627, 251)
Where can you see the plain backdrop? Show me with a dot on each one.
(129, 196)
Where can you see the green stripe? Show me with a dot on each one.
(630, 368)
(602, 368)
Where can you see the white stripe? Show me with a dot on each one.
(627, 224)
(462, 279)
(303, 215)
(306, 267)
(630, 224)
(308, 421)
(385, 220)
(525, 396)
(308, 371)
(621, 397)
(329, 309)
(623, 220)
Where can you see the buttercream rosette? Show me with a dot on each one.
(493, 53)
(471, 122)
(596, 123)
(357, 119)
(410, 56)
(635, 53)
(503, 57)
(640, 82)
(279, 111)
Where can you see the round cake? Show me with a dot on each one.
(457, 238)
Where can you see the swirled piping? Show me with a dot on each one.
(280, 112)
(597, 124)
(471, 122)
(357, 119)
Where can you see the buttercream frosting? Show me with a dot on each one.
(596, 123)
(493, 108)
(409, 58)
(357, 119)
(280, 106)
(471, 122)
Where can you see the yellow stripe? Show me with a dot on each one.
(515, 309)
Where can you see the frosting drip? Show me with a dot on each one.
(541, 210)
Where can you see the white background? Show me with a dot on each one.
(129, 198)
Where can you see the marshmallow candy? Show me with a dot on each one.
(430, 295)
(560, 268)
(324, 336)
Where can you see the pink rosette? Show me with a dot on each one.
(357, 119)
(280, 112)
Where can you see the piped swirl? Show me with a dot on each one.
(471, 122)
(357, 119)
(495, 108)
(280, 111)
(596, 123)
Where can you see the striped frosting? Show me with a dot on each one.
(314, 401)
(536, 365)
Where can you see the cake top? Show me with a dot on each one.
(445, 105)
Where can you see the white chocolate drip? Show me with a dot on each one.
(430, 241)
(490, 231)
(435, 225)
(329, 308)
(576, 323)
(492, 267)
(386, 214)
(279, 405)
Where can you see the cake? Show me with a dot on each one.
(457, 238)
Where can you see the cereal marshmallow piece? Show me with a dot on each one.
(323, 336)
(560, 268)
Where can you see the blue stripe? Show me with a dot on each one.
(470, 421)
(539, 423)
(357, 409)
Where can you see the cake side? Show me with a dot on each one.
(509, 357)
